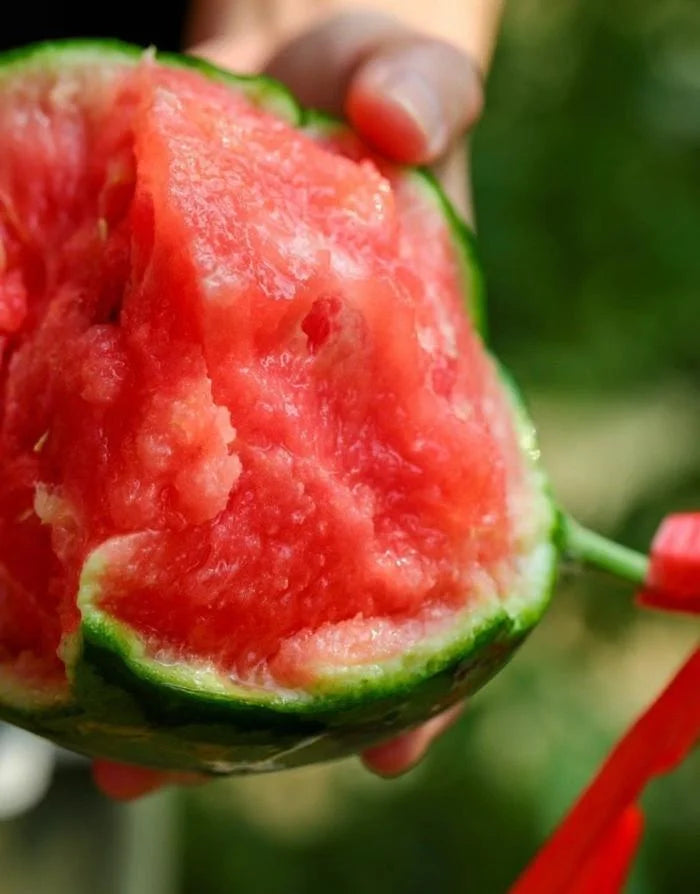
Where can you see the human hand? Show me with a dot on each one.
(409, 94)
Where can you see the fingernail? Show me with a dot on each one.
(410, 93)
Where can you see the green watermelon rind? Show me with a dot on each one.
(123, 720)
(128, 707)
(261, 90)
(122, 716)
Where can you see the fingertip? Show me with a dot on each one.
(404, 752)
(317, 65)
(396, 757)
(123, 782)
(411, 99)
(398, 114)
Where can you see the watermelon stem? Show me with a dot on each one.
(593, 549)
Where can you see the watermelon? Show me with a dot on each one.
(265, 497)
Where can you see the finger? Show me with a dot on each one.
(124, 782)
(409, 96)
(412, 98)
(318, 64)
(402, 753)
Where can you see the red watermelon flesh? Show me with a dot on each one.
(239, 394)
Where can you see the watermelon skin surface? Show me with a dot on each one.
(117, 714)
(120, 700)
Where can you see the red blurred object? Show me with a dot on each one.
(591, 849)
(673, 581)
(605, 872)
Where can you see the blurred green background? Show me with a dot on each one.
(587, 185)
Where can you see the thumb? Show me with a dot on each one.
(409, 96)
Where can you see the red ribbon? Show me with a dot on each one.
(592, 850)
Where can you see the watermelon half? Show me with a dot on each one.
(265, 498)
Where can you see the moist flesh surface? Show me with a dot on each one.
(238, 388)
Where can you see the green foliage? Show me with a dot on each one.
(587, 183)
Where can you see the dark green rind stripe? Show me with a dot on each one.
(104, 649)
(125, 718)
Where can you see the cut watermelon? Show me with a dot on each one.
(264, 497)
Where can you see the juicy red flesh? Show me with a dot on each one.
(236, 364)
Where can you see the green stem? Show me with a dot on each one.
(593, 549)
